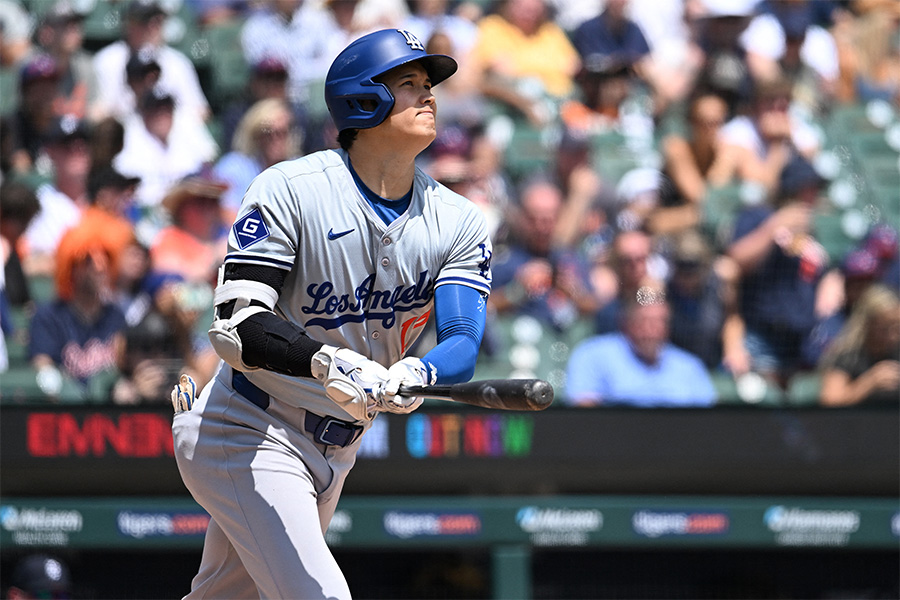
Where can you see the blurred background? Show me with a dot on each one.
(694, 206)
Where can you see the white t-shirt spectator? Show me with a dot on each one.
(177, 73)
(159, 165)
(765, 36)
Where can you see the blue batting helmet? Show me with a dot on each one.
(351, 76)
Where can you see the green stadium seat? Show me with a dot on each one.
(528, 151)
(732, 393)
(229, 70)
(804, 389)
(829, 231)
(103, 25)
(9, 90)
(18, 385)
(42, 288)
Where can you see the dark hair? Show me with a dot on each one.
(18, 201)
(346, 138)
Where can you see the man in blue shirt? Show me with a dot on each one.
(637, 365)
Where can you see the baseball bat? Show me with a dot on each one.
(500, 394)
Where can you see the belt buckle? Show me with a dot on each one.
(338, 437)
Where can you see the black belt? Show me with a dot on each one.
(326, 430)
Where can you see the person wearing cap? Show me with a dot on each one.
(40, 576)
(63, 198)
(304, 39)
(162, 145)
(143, 27)
(60, 33)
(783, 270)
(192, 248)
(142, 73)
(34, 116)
(194, 245)
(702, 292)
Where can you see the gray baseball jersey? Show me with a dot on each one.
(351, 282)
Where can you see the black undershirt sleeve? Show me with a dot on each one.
(270, 342)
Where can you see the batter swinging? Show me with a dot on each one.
(336, 262)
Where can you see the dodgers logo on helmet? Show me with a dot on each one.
(350, 80)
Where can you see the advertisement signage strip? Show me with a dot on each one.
(541, 522)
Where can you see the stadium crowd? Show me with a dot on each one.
(692, 202)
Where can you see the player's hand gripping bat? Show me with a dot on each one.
(502, 394)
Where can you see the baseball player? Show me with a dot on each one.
(336, 262)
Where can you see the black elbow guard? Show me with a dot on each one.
(270, 342)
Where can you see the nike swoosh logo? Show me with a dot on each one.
(333, 236)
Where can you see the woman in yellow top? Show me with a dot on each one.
(524, 58)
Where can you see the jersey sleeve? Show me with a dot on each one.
(469, 260)
(267, 228)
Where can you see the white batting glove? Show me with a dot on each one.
(349, 379)
(409, 371)
(183, 394)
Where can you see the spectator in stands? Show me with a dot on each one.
(873, 261)
(612, 38)
(766, 140)
(77, 334)
(40, 576)
(15, 33)
(692, 164)
(531, 276)
(782, 265)
(460, 101)
(107, 140)
(265, 136)
(863, 363)
(717, 28)
(294, 35)
(524, 60)
(785, 40)
(143, 25)
(109, 197)
(603, 86)
(428, 17)
(30, 124)
(268, 80)
(631, 254)
(63, 199)
(150, 360)
(702, 293)
(18, 206)
(193, 246)
(637, 365)
(60, 34)
(869, 51)
(162, 145)
(469, 163)
(142, 74)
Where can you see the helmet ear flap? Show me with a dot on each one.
(363, 110)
